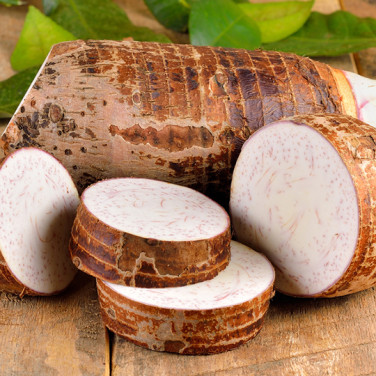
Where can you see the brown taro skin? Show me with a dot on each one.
(9, 283)
(177, 113)
(193, 332)
(355, 142)
(119, 257)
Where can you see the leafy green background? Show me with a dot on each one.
(331, 35)
(278, 20)
(285, 26)
(222, 23)
(97, 19)
(172, 14)
(39, 33)
(13, 89)
(12, 2)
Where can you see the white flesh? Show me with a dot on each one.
(364, 91)
(38, 204)
(155, 209)
(293, 198)
(247, 276)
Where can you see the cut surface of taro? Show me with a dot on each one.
(156, 210)
(202, 318)
(303, 193)
(38, 205)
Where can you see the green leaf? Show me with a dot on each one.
(278, 20)
(172, 14)
(12, 2)
(50, 6)
(222, 23)
(38, 35)
(13, 90)
(97, 19)
(329, 35)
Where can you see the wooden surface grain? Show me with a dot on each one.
(58, 335)
(64, 335)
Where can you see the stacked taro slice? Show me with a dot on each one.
(169, 278)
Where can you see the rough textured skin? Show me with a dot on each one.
(9, 283)
(183, 331)
(119, 257)
(355, 142)
(170, 112)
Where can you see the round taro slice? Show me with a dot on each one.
(148, 233)
(38, 206)
(303, 193)
(204, 318)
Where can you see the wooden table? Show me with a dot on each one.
(64, 335)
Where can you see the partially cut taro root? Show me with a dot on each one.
(304, 192)
(148, 233)
(38, 205)
(203, 318)
(177, 113)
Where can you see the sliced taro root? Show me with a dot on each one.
(148, 233)
(303, 193)
(204, 318)
(38, 205)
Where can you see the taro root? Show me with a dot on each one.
(148, 233)
(38, 206)
(303, 193)
(204, 318)
(170, 112)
